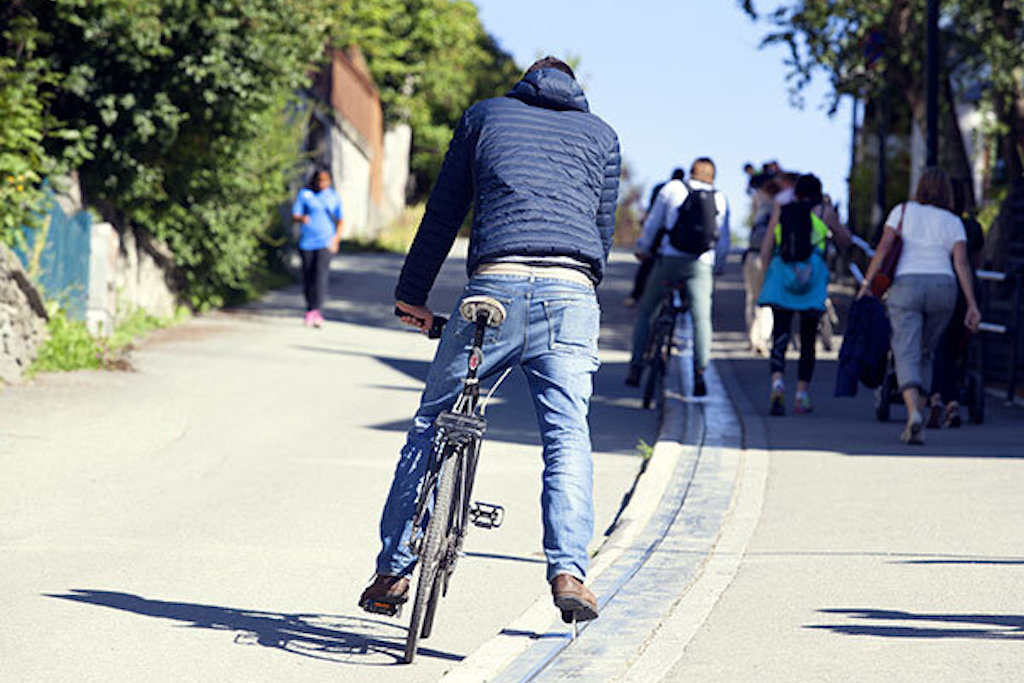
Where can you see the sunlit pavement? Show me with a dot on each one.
(213, 515)
(871, 560)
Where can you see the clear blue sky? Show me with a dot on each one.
(679, 79)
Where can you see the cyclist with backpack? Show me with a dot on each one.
(643, 271)
(688, 230)
(796, 281)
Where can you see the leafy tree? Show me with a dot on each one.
(180, 105)
(860, 45)
(431, 59)
(177, 112)
(26, 124)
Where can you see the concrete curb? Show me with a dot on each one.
(675, 550)
(489, 659)
(668, 645)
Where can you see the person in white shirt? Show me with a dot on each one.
(923, 294)
(673, 265)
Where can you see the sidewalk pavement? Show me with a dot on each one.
(871, 561)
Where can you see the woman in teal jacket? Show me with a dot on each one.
(796, 282)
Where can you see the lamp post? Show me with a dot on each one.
(932, 84)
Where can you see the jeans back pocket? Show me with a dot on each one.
(573, 325)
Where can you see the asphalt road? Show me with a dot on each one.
(212, 515)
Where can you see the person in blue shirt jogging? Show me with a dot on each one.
(317, 209)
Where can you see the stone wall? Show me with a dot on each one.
(22, 319)
(128, 270)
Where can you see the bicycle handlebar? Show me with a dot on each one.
(435, 328)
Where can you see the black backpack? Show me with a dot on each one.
(696, 228)
(797, 229)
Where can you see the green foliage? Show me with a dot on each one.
(187, 105)
(25, 125)
(397, 237)
(138, 324)
(431, 60)
(981, 43)
(178, 116)
(71, 346)
(174, 111)
(644, 450)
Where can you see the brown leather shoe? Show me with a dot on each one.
(573, 598)
(385, 594)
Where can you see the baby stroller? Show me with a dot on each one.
(970, 392)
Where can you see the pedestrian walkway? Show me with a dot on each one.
(872, 561)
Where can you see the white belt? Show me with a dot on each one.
(524, 270)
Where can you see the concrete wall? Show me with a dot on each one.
(397, 149)
(128, 271)
(351, 168)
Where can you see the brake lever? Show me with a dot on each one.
(436, 328)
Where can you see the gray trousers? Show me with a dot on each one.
(920, 307)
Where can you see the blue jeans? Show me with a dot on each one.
(699, 289)
(550, 331)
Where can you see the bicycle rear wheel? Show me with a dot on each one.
(430, 559)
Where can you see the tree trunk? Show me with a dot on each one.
(1008, 228)
(956, 153)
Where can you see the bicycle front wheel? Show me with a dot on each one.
(434, 547)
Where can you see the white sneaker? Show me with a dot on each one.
(913, 433)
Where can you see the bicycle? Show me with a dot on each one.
(438, 532)
(659, 344)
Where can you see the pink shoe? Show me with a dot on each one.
(308, 321)
(318, 319)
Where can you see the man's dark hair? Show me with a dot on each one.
(703, 169)
(678, 174)
(808, 187)
(550, 62)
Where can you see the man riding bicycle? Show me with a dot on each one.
(542, 175)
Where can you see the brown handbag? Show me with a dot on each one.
(882, 280)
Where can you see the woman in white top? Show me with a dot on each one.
(923, 294)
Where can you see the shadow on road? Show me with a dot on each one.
(337, 638)
(361, 287)
(992, 626)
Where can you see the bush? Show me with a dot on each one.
(72, 347)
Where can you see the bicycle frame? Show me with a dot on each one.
(443, 503)
(458, 433)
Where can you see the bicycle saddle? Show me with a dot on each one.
(471, 306)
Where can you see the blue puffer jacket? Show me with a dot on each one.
(542, 173)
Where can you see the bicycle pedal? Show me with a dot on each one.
(486, 515)
(387, 609)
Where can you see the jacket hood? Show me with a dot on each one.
(551, 89)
